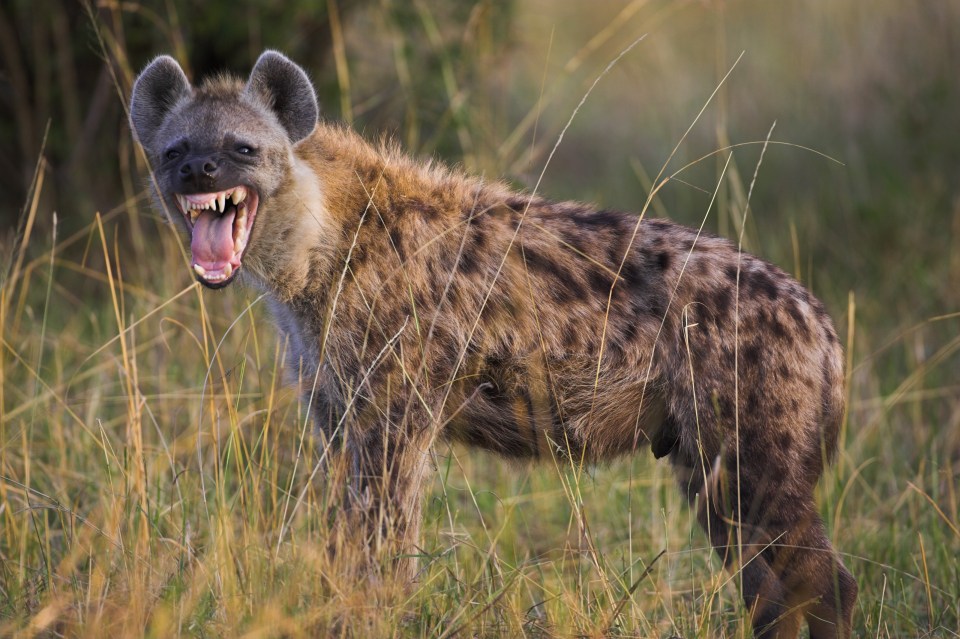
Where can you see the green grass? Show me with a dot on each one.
(157, 476)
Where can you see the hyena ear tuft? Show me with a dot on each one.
(288, 92)
(157, 90)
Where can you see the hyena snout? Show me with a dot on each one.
(199, 173)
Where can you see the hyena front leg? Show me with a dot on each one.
(388, 468)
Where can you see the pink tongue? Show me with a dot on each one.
(212, 243)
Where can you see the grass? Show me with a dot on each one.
(157, 477)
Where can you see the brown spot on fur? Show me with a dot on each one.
(397, 242)
(426, 209)
(663, 260)
(469, 264)
(519, 204)
(564, 287)
(599, 281)
(764, 284)
(592, 220)
(752, 354)
(721, 299)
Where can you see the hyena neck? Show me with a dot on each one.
(301, 242)
(339, 183)
(349, 180)
(313, 215)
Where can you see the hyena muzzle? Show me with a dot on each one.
(421, 303)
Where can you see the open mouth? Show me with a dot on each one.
(220, 225)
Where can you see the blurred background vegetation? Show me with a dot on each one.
(488, 84)
(859, 199)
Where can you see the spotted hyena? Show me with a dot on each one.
(422, 303)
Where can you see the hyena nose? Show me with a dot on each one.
(199, 172)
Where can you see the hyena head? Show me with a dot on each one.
(221, 152)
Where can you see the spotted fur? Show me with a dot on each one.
(423, 304)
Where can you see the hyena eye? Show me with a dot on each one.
(172, 154)
(245, 149)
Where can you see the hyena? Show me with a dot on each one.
(424, 304)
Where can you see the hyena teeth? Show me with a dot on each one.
(200, 270)
(221, 201)
(228, 270)
(238, 195)
(194, 214)
(239, 237)
(184, 205)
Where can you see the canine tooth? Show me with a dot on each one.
(200, 270)
(228, 270)
(183, 203)
(194, 214)
(238, 195)
(221, 199)
(240, 241)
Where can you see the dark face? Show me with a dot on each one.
(219, 159)
(220, 151)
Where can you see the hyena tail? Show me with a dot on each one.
(833, 395)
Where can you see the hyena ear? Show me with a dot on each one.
(288, 92)
(157, 89)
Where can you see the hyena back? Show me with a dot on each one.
(421, 304)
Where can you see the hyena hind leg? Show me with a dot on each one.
(774, 541)
(817, 581)
(740, 548)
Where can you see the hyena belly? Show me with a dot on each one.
(588, 332)
(537, 321)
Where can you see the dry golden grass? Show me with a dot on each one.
(158, 479)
